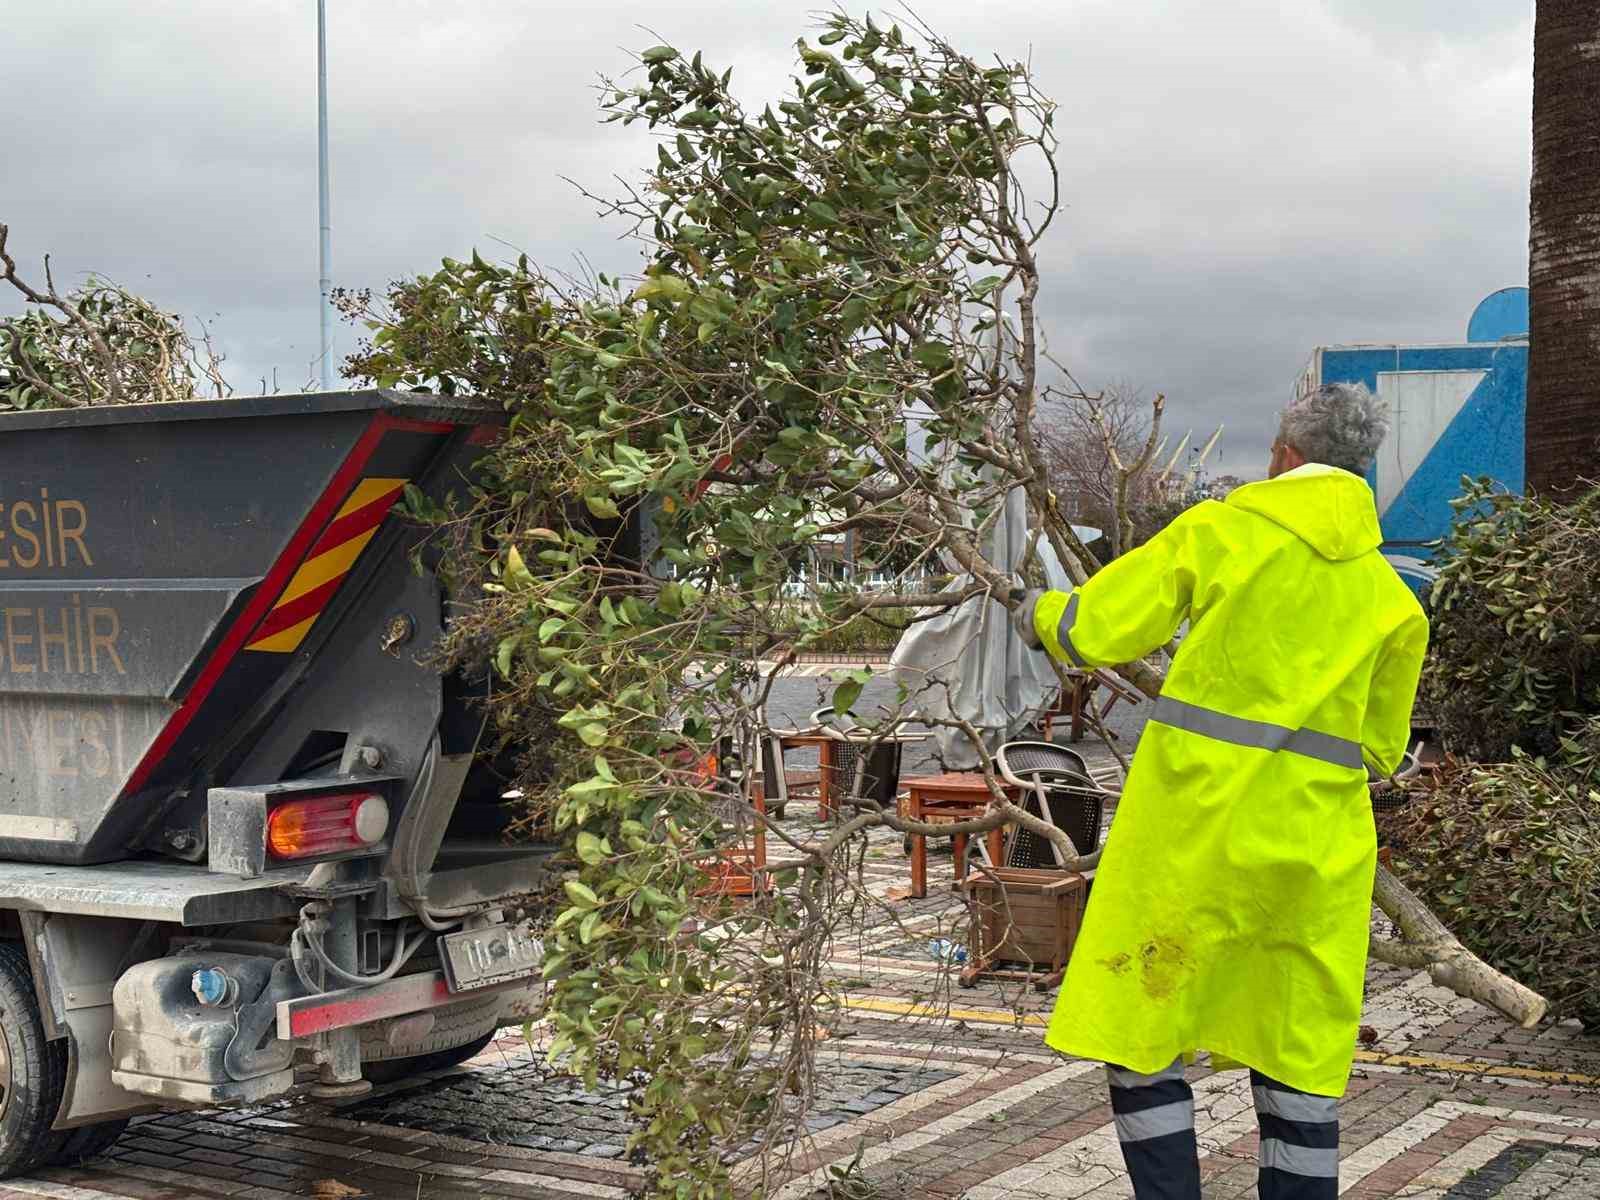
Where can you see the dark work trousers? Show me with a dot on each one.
(1155, 1125)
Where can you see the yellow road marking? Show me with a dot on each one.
(366, 492)
(1463, 1066)
(990, 1016)
(980, 1016)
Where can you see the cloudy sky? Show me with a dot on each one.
(1244, 180)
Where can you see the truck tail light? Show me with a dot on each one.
(327, 825)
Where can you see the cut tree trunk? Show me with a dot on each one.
(1563, 431)
(1429, 946)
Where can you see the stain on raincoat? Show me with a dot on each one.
(1230, 911)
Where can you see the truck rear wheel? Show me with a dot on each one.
(32, 1072)
(73, 1146)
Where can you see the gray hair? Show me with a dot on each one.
(1338, 425)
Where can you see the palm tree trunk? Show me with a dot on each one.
(1563, 435)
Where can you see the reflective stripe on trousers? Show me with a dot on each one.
(1154, 1116)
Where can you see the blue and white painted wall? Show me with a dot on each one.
(1458, 410)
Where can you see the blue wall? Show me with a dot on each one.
(1485, 438)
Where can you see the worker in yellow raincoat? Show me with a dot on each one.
(1231, 908)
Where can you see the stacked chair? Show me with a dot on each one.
(1025, 912)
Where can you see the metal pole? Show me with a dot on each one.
(325, 255)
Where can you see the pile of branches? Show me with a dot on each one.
(1510, 853)
(96, 344)
(1514, 659)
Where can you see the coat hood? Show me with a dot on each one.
(1330, 510)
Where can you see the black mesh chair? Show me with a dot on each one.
(1390, 793)
(1058, 788)
(854, 754)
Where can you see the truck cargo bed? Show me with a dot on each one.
(169, 574)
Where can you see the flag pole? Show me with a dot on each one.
(325, 252)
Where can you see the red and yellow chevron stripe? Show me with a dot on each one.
(335, 552)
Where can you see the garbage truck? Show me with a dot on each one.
(250, 835)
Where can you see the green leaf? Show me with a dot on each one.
(846, 694)
(590, 850)
(551, 626)
(823, 212)
(601, 505)
(663, 287)
(516, 574)
(659, 54)
(503, 652)
(580, 893)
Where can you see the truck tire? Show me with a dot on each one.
(33, 1073)
(459, 1032)
(74, 1146)
(393, 1070)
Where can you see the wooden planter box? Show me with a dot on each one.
(741, 869)
(1024, 920)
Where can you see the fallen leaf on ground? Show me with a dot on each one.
(332, 1189)
(1367, 1034)
(899, 893)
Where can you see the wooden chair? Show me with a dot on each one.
(1081, 696)
(740, 866)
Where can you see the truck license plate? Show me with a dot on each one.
(474, 958)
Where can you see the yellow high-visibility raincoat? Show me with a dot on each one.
(1230, 911)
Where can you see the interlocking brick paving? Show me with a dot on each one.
(520, 1104)
(944, 1092)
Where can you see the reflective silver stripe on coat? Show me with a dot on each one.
(1123, 1078)
(1317, 1162)
(1260, 735)
(1161, 1121)
(1064, 631)
(1296, 1106)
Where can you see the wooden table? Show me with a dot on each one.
(824, 745)
(954, 796)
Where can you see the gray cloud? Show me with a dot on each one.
(1242, 181)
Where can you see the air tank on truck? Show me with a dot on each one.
(246, 838)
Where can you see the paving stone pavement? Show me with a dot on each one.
(944, 1092)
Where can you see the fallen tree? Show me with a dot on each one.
(813, 271)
